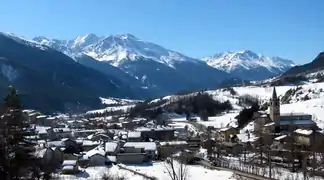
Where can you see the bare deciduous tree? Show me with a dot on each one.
(177, 170)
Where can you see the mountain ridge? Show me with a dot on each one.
(248, 65)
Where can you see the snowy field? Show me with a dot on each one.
(157, 169)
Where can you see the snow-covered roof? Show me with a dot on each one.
(40, 117)
(303, 131)
(269, 124)
(68, 168)
(98, 150)
(40, 153)
(55, 144)
(280, 137)
(158, 128)
(297, 121)
(145, 145)
(134, 134)
(110, 146)
(111, 159)
(69, 163)
(62, 130)
(295, 114)
(51, 118)
(225, 129)
(173, 143)
(253, 139)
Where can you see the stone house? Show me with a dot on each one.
(165, 149)
(58, 155)
(232, 148)
(70, 167)
(59, 133)
(97, 156)
(160, 133)
(134, 136)
(111, 148)
(88, 144)
(225, 134)
(46, 155)
(137, 152)
(149, 148)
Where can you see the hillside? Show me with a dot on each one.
(50, 81)
(316, 64)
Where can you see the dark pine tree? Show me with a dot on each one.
(16, 152)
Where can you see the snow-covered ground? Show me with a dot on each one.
(116, 108)
(157, 169)
(117, 101)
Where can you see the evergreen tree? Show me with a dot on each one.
(15, 150)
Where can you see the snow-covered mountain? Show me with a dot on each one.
(249, 65)
(115, 49)
(153, 66)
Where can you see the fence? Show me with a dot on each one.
(276, 172)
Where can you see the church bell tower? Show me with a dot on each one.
(275, 108)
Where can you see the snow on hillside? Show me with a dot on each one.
(24, 40)
(314, 105)
(123, 108)
(157, 169)
(117, 101)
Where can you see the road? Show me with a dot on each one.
(242, 174)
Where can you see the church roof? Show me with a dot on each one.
(274, 93)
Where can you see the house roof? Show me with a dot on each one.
(68, 168)
(158, 128)
(134, 134)
(295, 114)
(173, 143)
(69, 163)
(296, 122)
(110, 146)
(303, 131)
(145, 145)
(111, 159)
(41, 152)
(280, 137)
(269, 124)
(40, 117)
(62, 130)
(98, 150)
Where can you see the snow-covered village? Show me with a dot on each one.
(257, 132)
(161, 90)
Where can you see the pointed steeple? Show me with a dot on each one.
(274, 93)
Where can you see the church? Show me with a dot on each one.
(286, 122)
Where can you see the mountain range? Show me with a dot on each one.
(62, 75)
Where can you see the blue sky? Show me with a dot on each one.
(291, 29)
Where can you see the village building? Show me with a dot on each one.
(111, 148)
(134, 136)
(160, 133)
(136, 152)
(167, 148)
(70, 167)
(285, 123)
(225, 134)
(97, 156)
